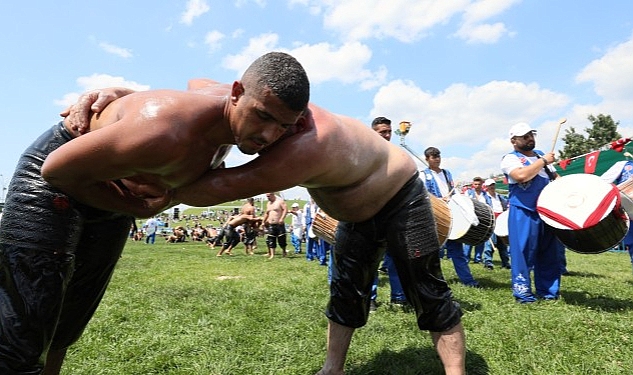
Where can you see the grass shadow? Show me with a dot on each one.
(414, 361)
(598, 302)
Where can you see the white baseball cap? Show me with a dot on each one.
(295, 205)
(489, 182)
(520, 129)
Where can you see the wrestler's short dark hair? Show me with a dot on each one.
(284, 76)
(432, 151)
(478, 179)
(380, 120)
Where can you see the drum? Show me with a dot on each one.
(626, 196)
(442, 215)
(473, 221)
(324, 227)
(585, 213)
(501, 227)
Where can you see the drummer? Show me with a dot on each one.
(533, 245)
(499, 203)
(477, 193)
(620, 172)
(439, 182)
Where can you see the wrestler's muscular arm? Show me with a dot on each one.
(289, 162)
(95, 101)
(131, 145)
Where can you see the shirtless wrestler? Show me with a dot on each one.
(276, 210)
(72, 198)
(344, 166)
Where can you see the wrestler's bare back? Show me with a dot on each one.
(150, 141)
(365, 173)
(349, 170)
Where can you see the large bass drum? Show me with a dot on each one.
(585, 213)
(473, 221)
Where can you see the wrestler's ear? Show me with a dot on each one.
(237, 90)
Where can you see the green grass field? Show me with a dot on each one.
(179, 309)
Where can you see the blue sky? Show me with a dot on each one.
(461, 71)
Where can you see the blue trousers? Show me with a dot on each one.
(311, 247)
(479, 250)
(628, 240)
(397, 293)
(502, 249)
(296, 242)
(533, 247)
(455, 251)
(150, 238)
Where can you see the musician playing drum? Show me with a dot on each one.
(621, 174)
(533, 245)
(439, 182)
(499, 204)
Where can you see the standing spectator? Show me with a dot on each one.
(476, 192)
(276, 211)
(533, 245)
(382, 126)
(150, 227)
(499, 204)
(312, 242)
(250, 235)
(298, 227)
(439, 182)
(133, 230)
(250, 227)
(618, 173)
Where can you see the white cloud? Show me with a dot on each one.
(322, 61)
(195, 8)
(482, 33)
(256, 47)
(212, 39)
(465, 114)
(241, 3)
(116, 50)
(98, 81)
(612, 79)
(407, 20)
(474, 29)
(325, 62)
(404, 20)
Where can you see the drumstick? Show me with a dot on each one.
(560, 123)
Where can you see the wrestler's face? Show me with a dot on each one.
(259, 118)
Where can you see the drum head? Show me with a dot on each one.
(501, 224)
(584, 212)
(463, 215)
(576, 201)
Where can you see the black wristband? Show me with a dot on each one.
(544, 162)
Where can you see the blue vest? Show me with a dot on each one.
(473, 194)
(526, 194)
(431, 184)
(626, 173)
